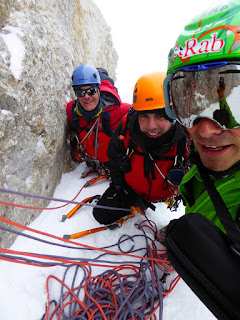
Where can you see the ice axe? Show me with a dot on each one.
(90, 231)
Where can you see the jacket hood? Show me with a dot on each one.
(109, 94)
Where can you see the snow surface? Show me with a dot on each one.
(23, 288)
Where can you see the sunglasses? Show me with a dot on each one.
(210, 90)
(90, 91)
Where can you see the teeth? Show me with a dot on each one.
(152, 134)
(214, 147)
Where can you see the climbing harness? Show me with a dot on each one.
(156, 166)
(83, 156)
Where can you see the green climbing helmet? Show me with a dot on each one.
(204, 69)
(212, 35)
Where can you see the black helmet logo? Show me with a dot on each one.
(135, 95)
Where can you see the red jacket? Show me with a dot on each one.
(151, 190)
(104, 124)
(152, 186)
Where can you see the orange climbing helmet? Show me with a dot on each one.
(148, 92)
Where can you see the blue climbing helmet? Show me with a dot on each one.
(84, 75)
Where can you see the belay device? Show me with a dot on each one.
(207, 259)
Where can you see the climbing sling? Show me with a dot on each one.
(207, 259)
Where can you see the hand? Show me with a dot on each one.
(114, 190)
(143, 204)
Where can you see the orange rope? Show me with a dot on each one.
(66, 240)
(90, 182)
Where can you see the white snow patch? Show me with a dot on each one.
(28, 181)
(16, 49)
(40, 145)
(4, 111)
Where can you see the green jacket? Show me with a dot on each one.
(198, 200)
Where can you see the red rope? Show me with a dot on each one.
(39, 208)
(88, 183)
(69, 290)
(109, 282)
(64, 240)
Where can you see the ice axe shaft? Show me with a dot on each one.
(78, 206)
(92, 181)
(90, 231)
(90, 199)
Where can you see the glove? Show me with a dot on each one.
(114, 190)
(119, 197)
(112, 197)
(138, 201)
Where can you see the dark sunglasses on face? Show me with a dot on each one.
(90, 91)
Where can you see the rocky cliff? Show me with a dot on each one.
(41, 42)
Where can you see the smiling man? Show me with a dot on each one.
(147, 153)
(88, 97)
(93, 116)
(202, 91)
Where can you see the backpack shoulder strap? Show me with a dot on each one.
(124, 125)
(106, 118)
(130, 145)
(221, 209)
(181, 146)
(127, 143)
(74, 118)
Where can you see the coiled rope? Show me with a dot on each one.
(132, 289)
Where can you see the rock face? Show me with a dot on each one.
(41, 43)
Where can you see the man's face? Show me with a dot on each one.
(153, 125)
(89, 102)
(218, 149)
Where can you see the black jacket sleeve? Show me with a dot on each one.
(116, 152)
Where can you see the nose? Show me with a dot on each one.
(86, 98)
(152, 123)
(207, 127)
